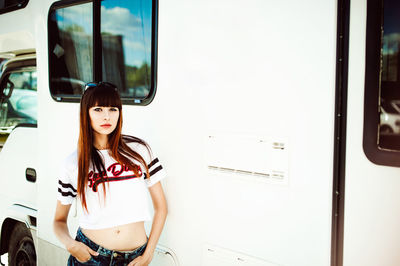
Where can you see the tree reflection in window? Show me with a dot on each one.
(126, 37)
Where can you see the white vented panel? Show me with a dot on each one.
(263, 159)
(216, 256)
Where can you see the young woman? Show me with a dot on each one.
(110, 174)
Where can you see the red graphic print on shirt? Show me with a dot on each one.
(114, 173)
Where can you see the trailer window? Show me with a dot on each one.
(107, 40)
(18, 102)
(382, 83)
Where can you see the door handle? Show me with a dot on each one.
(30, 174)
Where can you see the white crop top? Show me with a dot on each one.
(126, 198)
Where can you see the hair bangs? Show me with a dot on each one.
(104, 96)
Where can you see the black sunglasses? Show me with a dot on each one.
(100, 83)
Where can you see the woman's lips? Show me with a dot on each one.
(106, 125)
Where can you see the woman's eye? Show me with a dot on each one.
(97, 109)
(113, 109)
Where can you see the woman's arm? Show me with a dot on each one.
(77, 249)
(160, 214)
(60, 224)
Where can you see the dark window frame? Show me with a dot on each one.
(373, 152)
(97, 51)
(21, 5)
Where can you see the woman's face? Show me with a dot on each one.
(103, 119)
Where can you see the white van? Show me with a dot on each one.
(264, 113)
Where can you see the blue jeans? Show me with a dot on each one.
(106, 256)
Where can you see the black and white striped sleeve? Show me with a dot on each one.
(156, 172)
(66, 191)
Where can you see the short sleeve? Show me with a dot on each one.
(156, 170)
(66, 191)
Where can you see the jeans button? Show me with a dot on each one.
(115, 255)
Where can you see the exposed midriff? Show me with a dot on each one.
(122, 237)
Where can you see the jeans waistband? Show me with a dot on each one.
(107, 252)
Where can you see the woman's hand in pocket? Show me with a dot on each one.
(81, 252)
(143, 260)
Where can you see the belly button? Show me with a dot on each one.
(118, 231)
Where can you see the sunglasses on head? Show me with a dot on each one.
(100, 83)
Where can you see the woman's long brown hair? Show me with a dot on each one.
(103, 94)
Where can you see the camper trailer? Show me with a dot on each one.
(268, 117)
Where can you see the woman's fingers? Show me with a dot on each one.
(134, 262)
(139, 261)
(92, 252)
(83, 253)
(84, 258)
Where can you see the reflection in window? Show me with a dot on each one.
(126, 37)
(123, 46)
(389, 128)
(18, 102)
(71, 49)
